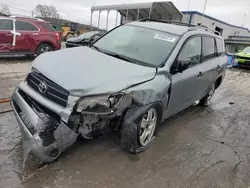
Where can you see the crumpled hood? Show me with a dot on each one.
(85, 71)
(75, 39)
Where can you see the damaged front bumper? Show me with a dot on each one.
(44, 137)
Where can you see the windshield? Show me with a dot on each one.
(246, 50)
(87, 35)
(142, 45)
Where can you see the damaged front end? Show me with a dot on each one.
(96, 113)
(46, 133)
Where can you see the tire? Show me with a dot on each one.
(206, 101)
(42, 48)
(30, 56)
(138, 129)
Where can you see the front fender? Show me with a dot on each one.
(151, 91)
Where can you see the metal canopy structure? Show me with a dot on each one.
(165, 10)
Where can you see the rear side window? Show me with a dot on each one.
(47, 26)
(220, 46)
(6, 24)
(25, 26)
(208, 48)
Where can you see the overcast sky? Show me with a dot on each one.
(231, 11)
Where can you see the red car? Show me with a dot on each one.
(27, 36)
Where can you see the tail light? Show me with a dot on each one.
(57, 36)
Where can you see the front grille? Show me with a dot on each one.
(245, 58)
(48, 88)
(24, 118)
(247, 63)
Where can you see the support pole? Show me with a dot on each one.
(138, 14)
(107, 22)
(126, 16)
(91, 17)
(99, 19)
(116, 18)
(150, 11)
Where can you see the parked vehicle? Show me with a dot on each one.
(84, 39)
(243, 57)
(130, 80)
(27, 36)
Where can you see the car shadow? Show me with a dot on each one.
(16, 59)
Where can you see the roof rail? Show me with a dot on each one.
(166, 21)
(204, 29)
(192, 27)
(17, 16)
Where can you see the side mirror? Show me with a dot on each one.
(184, 64)
(239, 51)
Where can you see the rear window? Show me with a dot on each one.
(220, 46)
(47, 26)
(6, 24)
(25, 26)
(208, 48)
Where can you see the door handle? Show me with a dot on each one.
(8, 34)
(218, 67)
(35, 34)
(200, 74)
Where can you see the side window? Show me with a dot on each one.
(25, 26)
(220, 46)
(6, 24)
(208, 48)
(191, 51)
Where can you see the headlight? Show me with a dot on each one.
(102, 103)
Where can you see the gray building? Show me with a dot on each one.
(236, 37)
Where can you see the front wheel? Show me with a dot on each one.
(206, 101)
(137, 133)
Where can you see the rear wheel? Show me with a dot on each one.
(42, 48)
(206, 101)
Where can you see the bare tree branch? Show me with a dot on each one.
(4, 9)
(46, 11)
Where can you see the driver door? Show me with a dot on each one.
(187, 84)
(6, 34)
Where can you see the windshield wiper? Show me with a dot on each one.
(118, 56)
(97, 48)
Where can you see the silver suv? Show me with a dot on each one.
(130, 80)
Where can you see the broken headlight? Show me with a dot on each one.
(100, 104)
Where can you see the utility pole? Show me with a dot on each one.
(243, 21)
(203, 13)
(188, 16)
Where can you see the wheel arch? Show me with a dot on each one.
(218, 82)
(46, 42)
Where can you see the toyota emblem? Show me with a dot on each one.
(42, 87)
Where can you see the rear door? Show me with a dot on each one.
(29, 33)
(186, 85)
(6, 33)
(210, 64)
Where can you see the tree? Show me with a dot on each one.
(4, 9)
(46, 11)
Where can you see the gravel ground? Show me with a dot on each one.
(199, 147)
